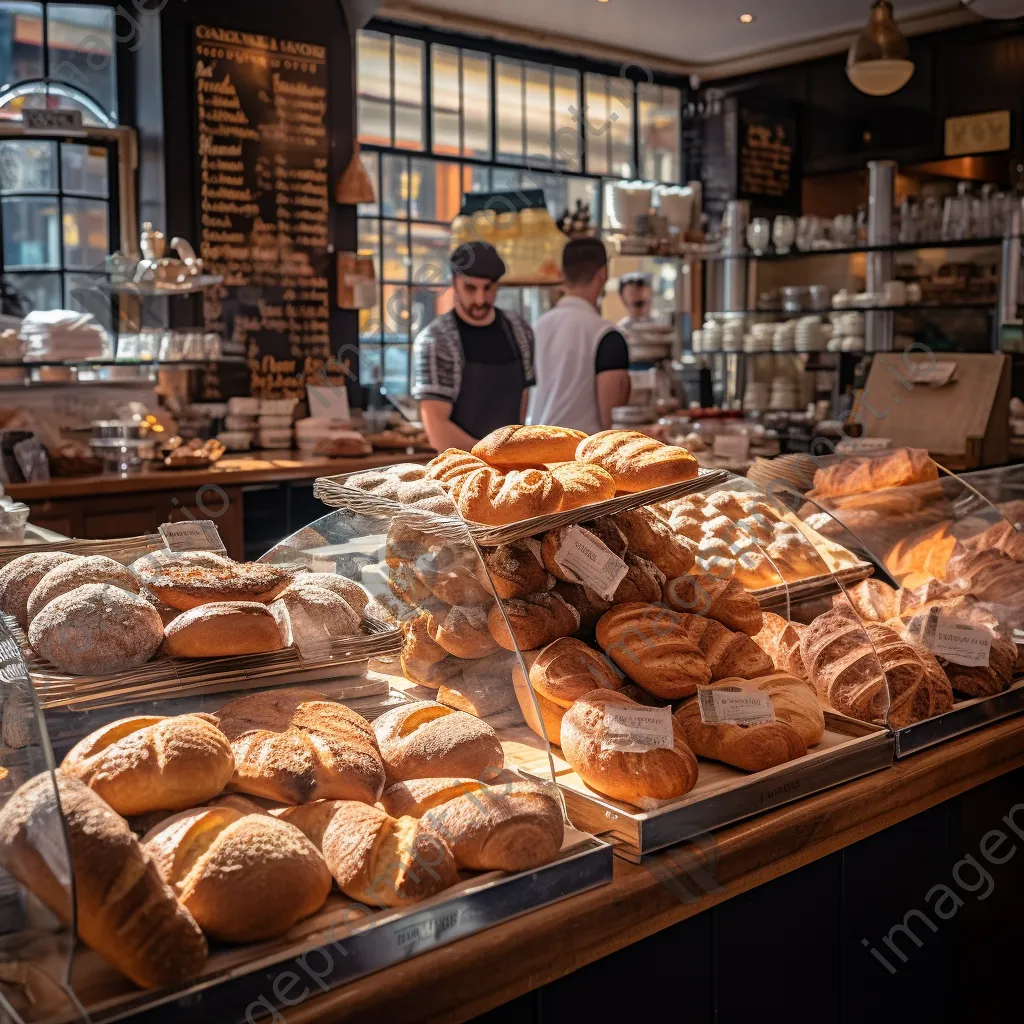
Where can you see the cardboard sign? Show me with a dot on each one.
(192, 535)
(957, 641)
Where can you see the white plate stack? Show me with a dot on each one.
(732, 335)
(240, 424)
(276, 415)
(783, 338)
(756, 396)
(847, 332)
(760, 338)
(785, 394)
(809, 335)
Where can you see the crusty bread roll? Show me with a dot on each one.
(643, 582)
(495, 498)
(567, 669)
(649, 643)
(780, 640)
(424, 661)
(69, 575)
(602, 530)
(516, 569)
(637, 462)
(188, 585)
(384, 861)
(635, 778)
(296, 746)
(355, 595)
(649, 537)
(222, 629)
(898, 468)
(123, 909)
(243, 877)
(533, 621)
(510, 827)
(311, 617)
(417, 796)
(799, 724)
(452, 465)
(150, 763)
(425, 740)
(310, 819)
(18, 578)
(583, 484)
(461, 631)
(454, 574)
(727, 653)
(723, 600)
(872, 600)
(519, 447)
(542, 716)
(587, 605)
(96, 629)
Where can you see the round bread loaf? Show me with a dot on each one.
(517, 569)
(723, 600)
(635, 461)
(148, 763)
(588, 605)
(583, 484)
(533, 621)
(354, 594)
(184, 585)
(223, 629)
(643, 582)
(18, 578)
(296, 746)
(519, 447)
(69, 575)
(567, 669)
(243, 877)
(96, 629)
(637, 778)
(542, 716)
(417, 796)
(310, 617)
(462, 631)
(425, 740)
(495, 498)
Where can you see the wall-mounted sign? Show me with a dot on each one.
(978, 133)
(42, 120)
(768, 172)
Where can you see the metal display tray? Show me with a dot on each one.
(965, 717)
(723, 795)
(813, 586)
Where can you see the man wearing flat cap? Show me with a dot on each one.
(472, 366)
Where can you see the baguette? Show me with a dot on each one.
(725, 601)
(519, 447)
(636, 461)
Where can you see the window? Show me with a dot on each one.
(659, 109)
(608, 125)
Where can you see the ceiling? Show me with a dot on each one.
(695, 33)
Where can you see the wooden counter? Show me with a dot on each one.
(471, 976)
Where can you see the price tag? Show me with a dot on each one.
(592, 563)
(192, 535)
(957, 641)
(734, 705)
(731, 446)
(635, 730)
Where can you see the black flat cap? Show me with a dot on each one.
(477, 259)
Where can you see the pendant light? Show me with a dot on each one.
(879, 61)
(998, 10)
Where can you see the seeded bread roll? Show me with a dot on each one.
(123, 909)
(649, 537)
(223, 629)
(517, 570)
(425, 740)
(96, 629)
(414, 798)
(243, 877)
(495, 498)
(583, 484)
(462, 631)
(723, 600)
(69, 575)
(533, 621)
(567, 669)
(184, 586)
(354, 594)
(18, 578)
(519, 447)
(296, 746)
(637, 462)
(149, 763)
(311, 617)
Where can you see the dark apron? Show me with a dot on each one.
(491, 395)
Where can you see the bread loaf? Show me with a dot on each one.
(533, 621)
(414, 798)
(652, 539)
(872, 600)
(425, 740)
(583, 484)
(223, 629)
(383, 861)
(184, 585)
(587, 605)
(991, 576)
(455, 575)
(517, 570)
(69, 575)
(1003, 536)
(542, 716)
(424, 661)
(355, 596)
(727, 653)
(601, 530)
(513, 827)
(310, 819)
(976, 680)
(642, 583)
(495, 498)
(461, 631)
(451, 466)
(898, 468)
(725, 601)
(780, 640)
(926, 552)
(519, 447)
(150, 763)
(635, 778)
(651, 646)
(123, 909)
(19, 577)
(567, 669)
(918, 688)
(311, 617)
(637, 462)
(296, 746)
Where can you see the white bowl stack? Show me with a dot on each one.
(760, 339)
(809, 336)
(847, 332)
(784, 337)
(276, 416)
(784, 395)
(240, 424)
(732, 335)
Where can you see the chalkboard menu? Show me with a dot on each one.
(767, 173)
(261, 118)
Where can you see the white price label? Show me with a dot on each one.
(731, 446)
(734, 705)
(957, 641)
(192, 535)
(592, 563)
(635, 730)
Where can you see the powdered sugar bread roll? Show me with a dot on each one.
(519, 447)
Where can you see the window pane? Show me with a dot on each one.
(620, 117)
(28, 165)
(445, 99)
(509, 87)
(36, 291)
(86, 234)
(371, 162)
(476, 103)
(373, 63)
(84, 169)
(396, 369)
(394, 196)
(397, 314)
(538, 115)
(568, 125)
(659, 132)
(31, 233)
(597, 124)
(81, 44)
(369, 325)
(408, 93)
(475, 179)
(428, 304)
(371, 362)
(435, 190)
(369, 243)
(396, 251)
(21, 50)
(81, 293)
(429, 252)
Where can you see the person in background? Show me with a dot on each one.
(473, 366)
(582, 362)
(635, 292)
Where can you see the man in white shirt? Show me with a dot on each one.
(581, 360)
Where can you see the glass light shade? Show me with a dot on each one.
(880, 77)
(879, 60)
(999, 10)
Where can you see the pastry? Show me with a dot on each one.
(723, 600)
(872, 600)
(296, 746)
(18, 578)
(462, 631)
(516, 569)
(70, 575)
(567, 669)
(185, 586)
(519, 447)
(223, 629)
(425, 740)
(150, 763)
(898, 468)
(96, 629)
(242, 877)
(495, 498)
(758, 528)
(780, 640)
(532, 622)
(729, 503)
(649, 537)
(637, 462)
(123, 908)
(638, 778)
(310, 617)
(583, 484)
(414, 798)
(684, 523)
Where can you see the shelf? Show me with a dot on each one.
(199, 284)
(91, 364)
(800, 254)
(922, 307)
